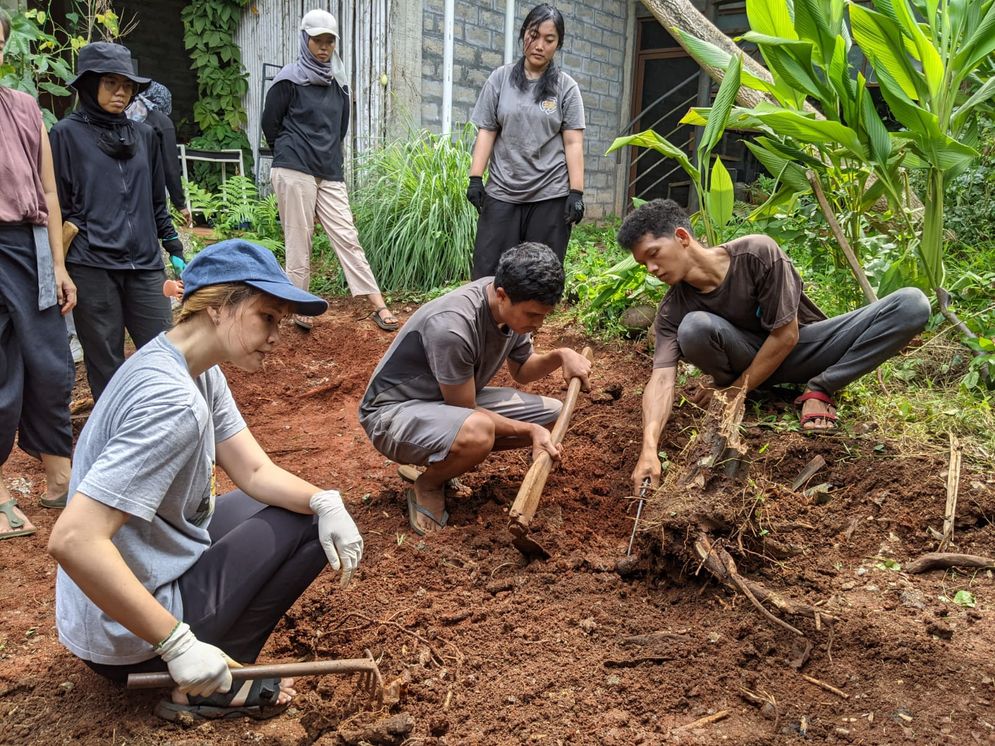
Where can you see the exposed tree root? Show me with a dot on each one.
(701, 501)
(946, 560)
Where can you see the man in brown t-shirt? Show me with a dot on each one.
(737, 312)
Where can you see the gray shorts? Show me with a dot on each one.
(422, 432)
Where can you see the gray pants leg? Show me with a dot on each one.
(829, 355)
(260, 561)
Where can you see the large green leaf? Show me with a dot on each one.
(771, 17)
(960, 115)
(721, 107)
(650, 139)
(791, 61)
(788, 150)
(979, 46)
(881, 41)
(738, 119)
(878, 141)
(812, 23)
(706, 53)
(781, 168)
(720, 195)
(815, 131)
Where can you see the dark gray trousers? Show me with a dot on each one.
(829, 355)
(36, 367)
(110, 301)
(260, 561)
(502, 225)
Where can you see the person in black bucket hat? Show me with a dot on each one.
(158, 572)
(111, 187)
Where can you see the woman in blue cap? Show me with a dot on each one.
(156, 572)
(305, 120)
(110, 179)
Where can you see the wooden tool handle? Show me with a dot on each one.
(265, 671)
(529, 493)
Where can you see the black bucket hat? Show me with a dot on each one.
(105, 58)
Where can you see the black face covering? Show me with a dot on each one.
(116, 133)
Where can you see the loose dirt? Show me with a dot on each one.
(502, 652)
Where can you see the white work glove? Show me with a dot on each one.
(196, 667)
(337, 533)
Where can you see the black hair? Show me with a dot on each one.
(660, 218)
(5, 22)
(548, 84)
(530, 271)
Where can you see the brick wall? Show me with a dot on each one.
(593, 54)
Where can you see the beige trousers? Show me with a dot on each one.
(300, 198)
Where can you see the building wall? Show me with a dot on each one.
(593, 53)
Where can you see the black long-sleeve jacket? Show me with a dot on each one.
(306, 126)
(119, 205)
(171, 171)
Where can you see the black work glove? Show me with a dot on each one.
(475, 193)
(573, 210)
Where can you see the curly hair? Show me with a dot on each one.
(530, 271)
(661, 217)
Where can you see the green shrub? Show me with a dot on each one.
(410, 207)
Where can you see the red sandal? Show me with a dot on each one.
(803, 419)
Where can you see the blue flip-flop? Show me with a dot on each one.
(414, 509)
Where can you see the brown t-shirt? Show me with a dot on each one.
(761, 292)
(22, 198)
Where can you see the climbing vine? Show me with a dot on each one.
(222, 82)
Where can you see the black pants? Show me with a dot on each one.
(260, 561)
(830, 353)
(36, 367)
(502, 225)
(110, 301)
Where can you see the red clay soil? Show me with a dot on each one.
(503, 652)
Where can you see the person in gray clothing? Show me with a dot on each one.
(737, 312)
(157, 572)
(429, 403)
(530, 122)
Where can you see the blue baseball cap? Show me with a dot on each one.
(236, 260)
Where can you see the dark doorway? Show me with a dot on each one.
(666, 87)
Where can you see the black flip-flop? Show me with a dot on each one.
(259, 704)
(414, 509)
(387, 326)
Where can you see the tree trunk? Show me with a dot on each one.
(683, 15)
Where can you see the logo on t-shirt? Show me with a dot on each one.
(206, 507)
(548, 106)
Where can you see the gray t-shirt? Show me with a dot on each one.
(148, 450)
(528, 163)
(761, 291)
(449, 340)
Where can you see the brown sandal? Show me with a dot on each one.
(387, 326)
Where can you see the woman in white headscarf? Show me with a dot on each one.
(305, 120)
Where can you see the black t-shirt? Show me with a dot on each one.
(305, 125)
(761, 291)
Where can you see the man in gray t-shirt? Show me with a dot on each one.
(737, 312)
(428, 402)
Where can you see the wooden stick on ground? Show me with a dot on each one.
(707, 720)
(824, 685)
(953, 487)
(946, 560)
